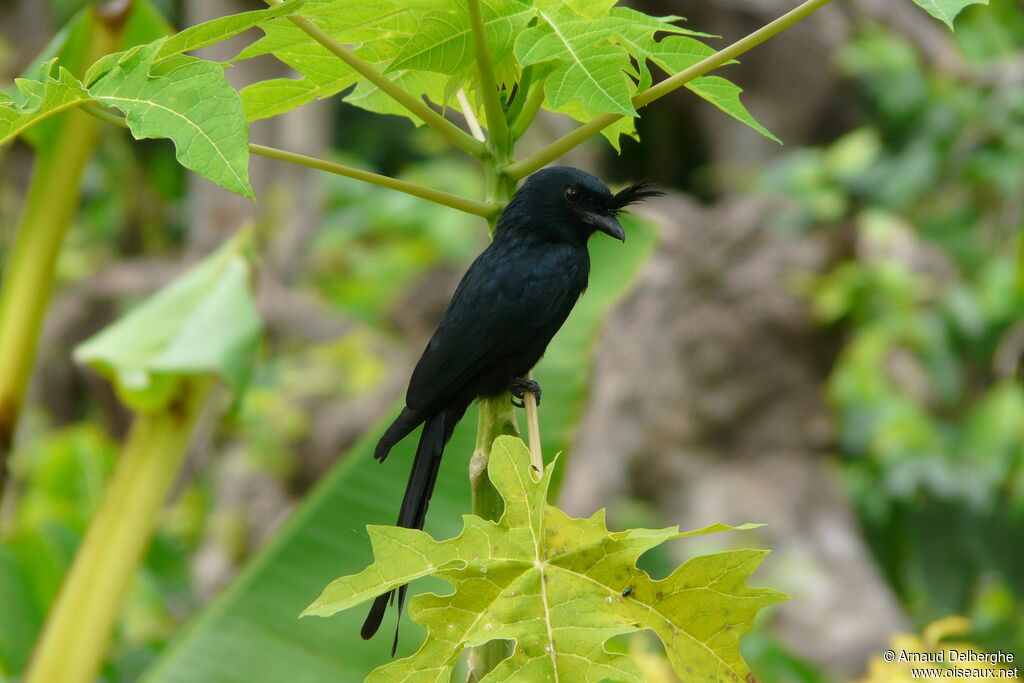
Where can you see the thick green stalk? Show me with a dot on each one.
(77, 632)
(28, 277)
(546, 155)
(495, 418)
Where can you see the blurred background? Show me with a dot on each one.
(822, 336)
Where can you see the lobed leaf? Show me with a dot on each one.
(595, 55)
(70, 47)
(205, 322)
(376, 29)
(602, 62)
(161, 92)
(187, 100)
(559, 587)
(590, 64)
(56, 91)
(443, 41)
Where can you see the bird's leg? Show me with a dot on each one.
(520, 386)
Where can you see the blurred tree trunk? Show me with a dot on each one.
(707, 402)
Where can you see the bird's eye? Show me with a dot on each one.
(572, 194)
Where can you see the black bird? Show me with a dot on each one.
(509, 305)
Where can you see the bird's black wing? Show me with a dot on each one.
(503, 301)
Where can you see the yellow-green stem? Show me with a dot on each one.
(77, 633)
(49, 207)
(495, 418)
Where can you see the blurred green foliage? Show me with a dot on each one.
(929, 194)
(375, 242)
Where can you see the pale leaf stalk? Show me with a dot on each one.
(455, 135)
(533, 433)
(467, 111)
(78, 629)
(546, 155)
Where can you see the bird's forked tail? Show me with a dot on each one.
(436, 431)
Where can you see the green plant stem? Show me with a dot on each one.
(496, 124)
(495, 418)
(542, 157)
(446, 128)
(77, 632)
(28, 277)
(472, 206)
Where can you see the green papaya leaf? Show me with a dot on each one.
(187, 100)
(601, 62)
(204, 322)
(374, 29)
(947, 10)
(71, 49)
(591, 65)
(56, 91)
(443, 42)
(596, 55)
(559, 587)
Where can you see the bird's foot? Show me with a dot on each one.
(519, 387)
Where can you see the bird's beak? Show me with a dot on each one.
(606, 223)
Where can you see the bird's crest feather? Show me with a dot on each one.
(633, 194)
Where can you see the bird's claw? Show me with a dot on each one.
(519, 387)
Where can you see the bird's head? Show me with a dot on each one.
(571, 203)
